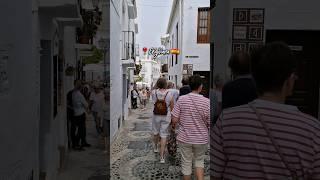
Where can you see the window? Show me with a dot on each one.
(203, 25)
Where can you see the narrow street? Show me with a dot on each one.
(132, 156)
(90, 164)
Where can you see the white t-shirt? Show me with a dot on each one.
(79, 103)
(135, 94)
(161, 95)
(98, 101)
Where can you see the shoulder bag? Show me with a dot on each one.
(275, 144)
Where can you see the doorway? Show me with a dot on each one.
(306, 90)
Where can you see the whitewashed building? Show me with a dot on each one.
(122, 55)
(244, 24)
(150, 71)
(188, 30)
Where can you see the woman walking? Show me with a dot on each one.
(163, 105)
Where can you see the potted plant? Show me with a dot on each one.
(90, 26)
(96, 57)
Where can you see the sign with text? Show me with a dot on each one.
(156, 52)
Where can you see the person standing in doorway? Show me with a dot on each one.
(185, 89)
(163, 105)
(80, 106)
(242, 89)
(192, 113)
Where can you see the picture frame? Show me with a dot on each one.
(239, 46)
(256, 16)
(256, 33)
(253, 45)
(240, 16)
(239, 32)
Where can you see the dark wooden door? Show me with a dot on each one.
(306, 90)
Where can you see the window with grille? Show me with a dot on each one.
(203, 25)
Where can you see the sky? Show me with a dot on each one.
(153, 17)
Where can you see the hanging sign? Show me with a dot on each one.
(156, 52)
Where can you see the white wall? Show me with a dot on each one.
(115, 68)
(176, 69)
(19, 108)
(188, 39)
(190, 45)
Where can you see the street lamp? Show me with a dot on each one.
(104, 45)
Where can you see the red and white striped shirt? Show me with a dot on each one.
(193, 126)
(241, 148)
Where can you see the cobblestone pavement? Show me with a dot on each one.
(132, 156)
(90, 164)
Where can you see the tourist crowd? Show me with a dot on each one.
(253, 133)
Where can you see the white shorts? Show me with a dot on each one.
(160, 125)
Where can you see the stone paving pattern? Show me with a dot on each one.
(132, 156)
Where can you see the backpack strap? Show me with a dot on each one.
(166, 95)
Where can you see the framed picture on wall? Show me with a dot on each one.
(239, 46)
(256, 33)
(256, 16)
(240, 16)
(254, 45)
(240, 32)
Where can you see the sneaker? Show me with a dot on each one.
(155, 148)
(162, 161)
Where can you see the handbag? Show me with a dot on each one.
(275, 144)
(172, 143)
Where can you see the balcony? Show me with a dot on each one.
(62, 8)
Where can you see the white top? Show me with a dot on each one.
(79, 103)
(161, 95)
(135, 94)
(98, 100)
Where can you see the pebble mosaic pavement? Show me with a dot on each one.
(132, 156)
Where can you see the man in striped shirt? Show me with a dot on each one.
(267, 139)
(192, 112)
